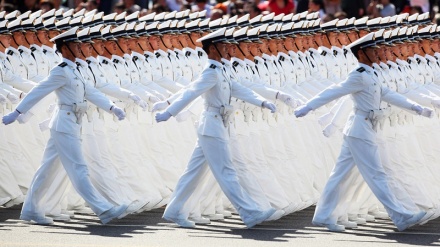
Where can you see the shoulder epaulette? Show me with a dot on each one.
(188, 53)
(44, 51)
(63, 64)
(361, 69)
(146, 56)
(345, 52)
(213, 66)
(335, 52)
(323, 53)
(20, 50)
(33, 48)
(281, 58)
(157, 54)
(88, 61)
(104, 61)
(78, 64)
(10, 52)
(199, 53)
(115, 60)
(235, 64)
(256, 61)
(135, 58)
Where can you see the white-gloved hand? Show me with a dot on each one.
(44, 125)
(436, 103)
(2, 99)
(427, 112)
(160, 106)
(136, 99)
(325, 119)
(10, 118)
(298, 102)
(13, 98)
(153, 99)
(287, 99)
(23, 118)
(164, 116)
(417, 108)
(119, 113)
(269, 106)
(302, 111)
(183, 116)
(329, 130)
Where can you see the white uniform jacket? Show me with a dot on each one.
(366, 92)
(70, 88)
(216, 90)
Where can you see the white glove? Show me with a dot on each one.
(23, 118)
(164, 116)
(2, 99)
(10, 118)
(160, 106)
(302, 111)
(325, 119)
(118, 112)
(329, 130)
(269, 106)
(13, 98)
(286, 99)
(427, 112)
(136, 99)
(153, 99)
(436, 103)
(183, 116)
(44, 125)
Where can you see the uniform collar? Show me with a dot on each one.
(117, 58)
(2, 56)
(241, 62)
(430, 58)
(82, 62)
(376, 66)
(149, 53)
(92, 60)
(393, 64)
(12, 49)
(367, 68)
(37, 47)
(162, 53)
(47, 48)
(226, 62)
(179, 51)
(259, 59)
(189, 49)
(418, 57)
(301, 54)
(384, 66)
(282, 54)
(102, 58)
(69, 63)
(127, 57)
(266, 57)
(293, 54)
(24, 49)
(213, 62)
(136, 54)
(249, 62)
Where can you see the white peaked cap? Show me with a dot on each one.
(295, 17)
(202, 14)
(91, 12)
(393, 18)
(425, 30)
(205, 22)
(13, 15)
(423, 16)
(395, 32)
(130, 26)
(59, 12)
(80, 13)
(233, 19)
(317, 22)
(98, 16)
(193, 16)
(263, 27)
(214, 35)
(121, 16)
(330, 23)
(119, 28)
(303, 14)
(174, 23)
(105, 30)
(268, 17)
(413, 17)
(342, 23)
(287, 26)
(83, 32)
(164, 24)
(288, 17)
(387, 34)
(244, 18)
(351, 21)
(76, 20)
(298, 25)
(279, 17)
(88, 19)
(109, 17)
(69, 34)
(132, 16)
(96, 28)
(68, 13)
(374, 21)
(35, 14)
(159, 17)
(179, 14)
(272, 28)
(181, 23)
(310, 16)
(140, 26)
(224, 20)
(256, 19)
(359, 42)
(2, 14)
(400, 19)
(385, 20)
(230, 31)
(214, 23)
(361, 21)
(403, 30)
(192, 23)
(379, 33)
(253, 31)
(48, 14)
(25, 15)
(240, 32)
(170, 15)
(147, 17)
(316, 15)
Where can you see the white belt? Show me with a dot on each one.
(65, 107)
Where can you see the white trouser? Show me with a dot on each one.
(215, 153)
(365, 155)
(68, 148)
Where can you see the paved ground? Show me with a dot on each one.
(148, 229)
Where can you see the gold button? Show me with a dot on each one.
(68, 113)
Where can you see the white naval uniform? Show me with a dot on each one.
(359, 147)
(64, 143)
(213, 143)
